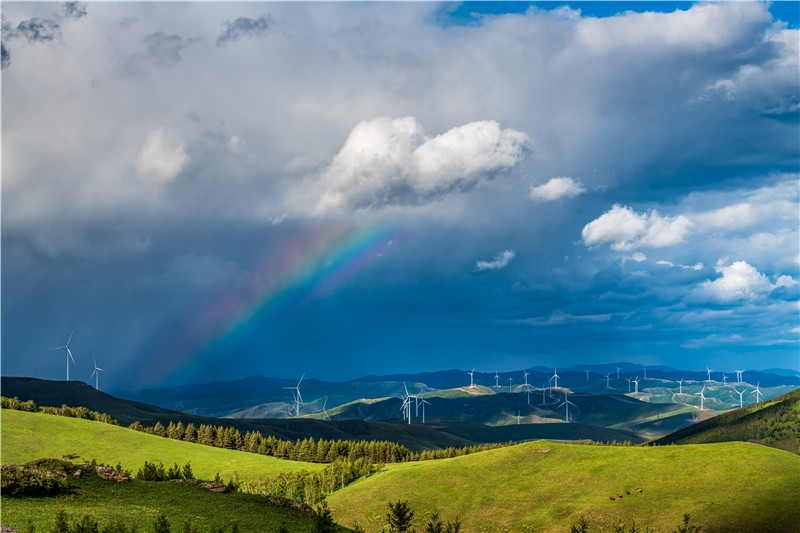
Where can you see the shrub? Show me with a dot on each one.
(323, 520)
(30, 480)
(161, 525)
(86, 525)
(686, 527)
(62, 522)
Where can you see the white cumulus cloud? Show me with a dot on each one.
(626, 229)
(389, 161)
(557, 188)
(740, 281)
(499, 261)
(160, 158)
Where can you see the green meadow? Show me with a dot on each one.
(545, 486)
(29, 436)
(138, 503)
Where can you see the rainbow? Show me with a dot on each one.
(294, 275)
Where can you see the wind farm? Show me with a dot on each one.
(444, 267)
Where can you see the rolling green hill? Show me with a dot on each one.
(29, 436)
(75, 393)
(774, 422)
(138, 503)
(544, 486)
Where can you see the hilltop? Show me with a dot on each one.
(774, 422)
(545, 486)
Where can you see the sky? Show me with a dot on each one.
(206, 191)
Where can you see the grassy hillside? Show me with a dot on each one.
(75, 393)
(522, 432)
(29, 436)
(544, 486)
(138, 503)
(774, 422)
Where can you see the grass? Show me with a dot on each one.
(29, 436)
(138, 503)
(544, 486)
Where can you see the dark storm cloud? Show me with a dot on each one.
(38, 29)
(6, 57)
(164, 49)
(244, 27)
(74, 10)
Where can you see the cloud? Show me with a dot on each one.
(38, 29)
(160, 159)
(740, 281)
(6, 57)
(627, 230)
(244, 27)
(560, 318)
(557, 188)
(74, 10)
(499, 261)
(163, 49)
(387, 161)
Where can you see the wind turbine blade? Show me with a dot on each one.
(301, 379)
(70, 337)
(70, 355)
(93, 373)
(100, 369)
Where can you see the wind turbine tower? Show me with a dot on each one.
(510, 380)
(758, 392)
(702, 396)
(636, 384)
(680, 386)
(298, 399)
(709, 370)
(423, 402)
(471, 383)
(618, 369)
(496, 380)
(96, 374)
(518, 417)
(525, 376)
(741, 401)
(724, 378)
(324, 411)
(566, 404)
(587, 374)
(739, 376)
(629, 383)
(69, 353)
(608, 382)
(555, 377)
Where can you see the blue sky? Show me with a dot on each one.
(215, 190)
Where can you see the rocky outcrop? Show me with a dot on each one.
(213, 486)
(106, 472)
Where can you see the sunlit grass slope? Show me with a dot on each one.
(26, 437)
(544, 486)
(138, 503)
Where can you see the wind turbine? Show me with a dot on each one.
(298, 399)
(680, 386)
(566, 403)
(758, 392)
(544, 402)
(645, 371)
(555, 377)
(324, 411)
(618, 369)
(510, 380)
(525, 376)
(528, 391)
(587, 374)
(709, 373)
(741, 402)
(702, 396)
(95, 374)
(496, 380)
(423, 402)
(471, 383)
(636, 384)
(518, 417)
(739, 376)
(724, 378)
(69, 353)
(608, 383)
(629, 383)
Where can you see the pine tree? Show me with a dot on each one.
(161, 525)
(434, 524)
(190, 435)
(399, 517)
(159, 430)
(323, 520)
